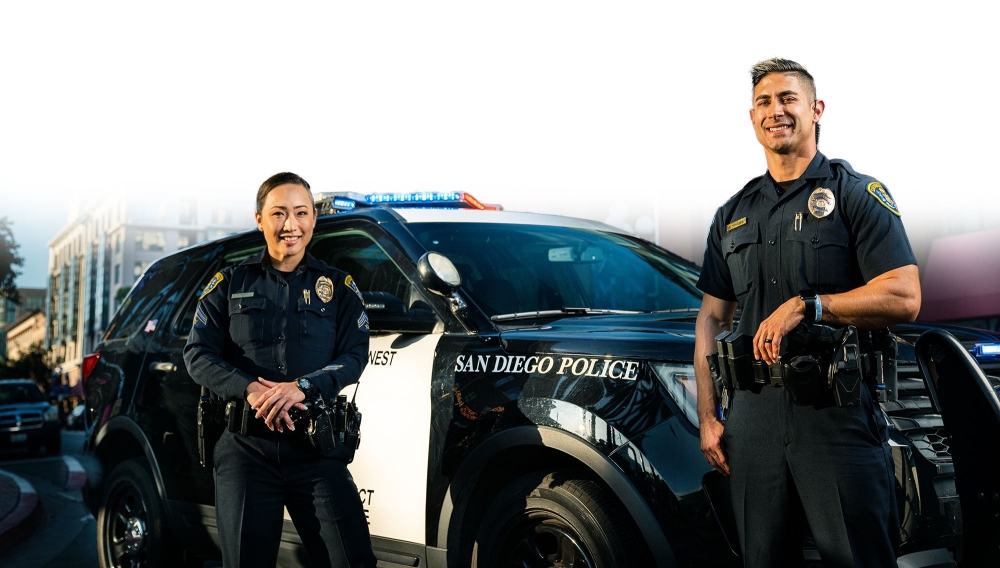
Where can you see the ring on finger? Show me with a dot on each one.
(767, 340)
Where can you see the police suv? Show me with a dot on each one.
(529, 400)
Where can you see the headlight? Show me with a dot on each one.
(51, 415)
(680, 383)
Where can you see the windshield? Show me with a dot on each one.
(509, 268)
(19, 392)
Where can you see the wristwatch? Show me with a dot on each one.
(814, 308)
(306, 386)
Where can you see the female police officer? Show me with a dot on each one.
(267, 332)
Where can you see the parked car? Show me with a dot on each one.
(27, 419)
(539, 410)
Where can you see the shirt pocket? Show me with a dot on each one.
(742, 255)
(821, 249)
(317, 325)
(247, 322)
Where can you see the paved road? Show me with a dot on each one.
(66, 536)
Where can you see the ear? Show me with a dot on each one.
(818, 107)
(257, 217)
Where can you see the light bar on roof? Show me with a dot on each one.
(988, 349)
(445, 199)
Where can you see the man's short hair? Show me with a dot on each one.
(281, 179)
(779, 65)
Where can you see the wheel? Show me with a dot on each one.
(556, 520)
(53, 446)
(131, 525)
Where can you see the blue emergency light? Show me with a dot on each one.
(340, 202)
(988, 350)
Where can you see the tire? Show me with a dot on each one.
(53, 446)
(131, 525)
(556, 519)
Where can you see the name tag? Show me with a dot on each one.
(735, 224)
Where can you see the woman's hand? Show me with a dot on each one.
(274, 403)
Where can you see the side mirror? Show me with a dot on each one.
(438, 274)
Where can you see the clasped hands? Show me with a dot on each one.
(272, 401)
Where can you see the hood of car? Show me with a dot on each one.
(659, 337)
(25, 406)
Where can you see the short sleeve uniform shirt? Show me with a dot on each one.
(831, 231)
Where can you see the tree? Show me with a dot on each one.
(8, 260)
(33, 363)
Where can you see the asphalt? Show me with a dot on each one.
(20, 507)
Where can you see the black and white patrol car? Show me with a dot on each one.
(537, 411)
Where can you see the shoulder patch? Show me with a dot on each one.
(882, 195)
(349, 282)
(212, 284)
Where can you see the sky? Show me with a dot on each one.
(629, 112)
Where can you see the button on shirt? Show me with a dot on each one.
(253, 321)
(764, 248)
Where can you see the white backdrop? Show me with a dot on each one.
(602, 110)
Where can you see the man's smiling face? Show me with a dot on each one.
(785, 113)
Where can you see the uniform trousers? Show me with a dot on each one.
(256, 477)
(832, 464)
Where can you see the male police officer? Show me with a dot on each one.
(810, 240)
(268, 332)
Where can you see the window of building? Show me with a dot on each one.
(118, 273)
(151, 211)
(154, 241)
(118, 246)
(186, 239)
(188, 212)
(138, 268)
(222, 216)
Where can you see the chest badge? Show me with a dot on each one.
(821, 202)
(324, 289)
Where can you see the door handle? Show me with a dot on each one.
(166, 367)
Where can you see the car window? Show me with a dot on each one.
(508, 268)
(18, 393)
(389, 294)
(154, 285)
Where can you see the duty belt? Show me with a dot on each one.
(815, 361)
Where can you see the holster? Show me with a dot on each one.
(336, 431)
(211, 423)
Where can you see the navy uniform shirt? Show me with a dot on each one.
(253, 321)
(831, 231)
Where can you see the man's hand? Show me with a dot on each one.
(767, 342)
(714, 317)
(274, 403)
(711, 444)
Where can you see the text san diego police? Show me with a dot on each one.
(548, 364)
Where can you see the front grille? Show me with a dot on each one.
(20, 420)
(913, 415)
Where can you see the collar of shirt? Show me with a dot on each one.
(309, 261)
(819, 168)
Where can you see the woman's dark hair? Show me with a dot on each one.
(281, 179)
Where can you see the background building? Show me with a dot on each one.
(105, 247)
(31, 299)
(25, 331)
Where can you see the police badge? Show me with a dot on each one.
(324, 289)
(821, 202)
